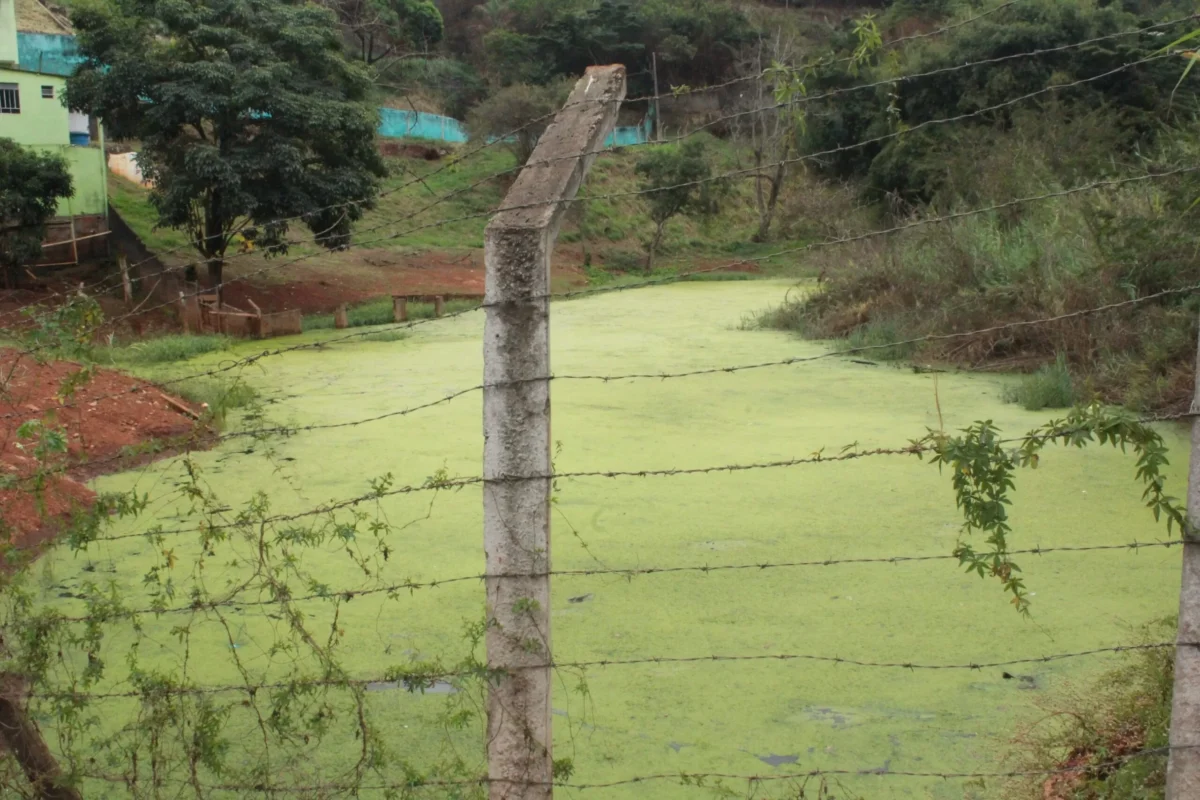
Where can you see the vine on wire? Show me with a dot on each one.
(983, 468)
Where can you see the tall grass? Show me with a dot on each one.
(219, 396)
(1023, 263)
(163, 349)
(1050, 387)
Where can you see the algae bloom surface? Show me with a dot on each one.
(745, 717)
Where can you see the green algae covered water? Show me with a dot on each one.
(741, 717)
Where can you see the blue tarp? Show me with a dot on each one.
(57, 54)
(396, 123)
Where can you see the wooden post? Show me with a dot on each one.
(340, 319)
(127, 284)
(399, 308)
(516, 436)
(1183, 762)
(439, 305)
(74, 242)
(657, 119)
(184, 316)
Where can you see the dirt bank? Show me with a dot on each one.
(110, 422)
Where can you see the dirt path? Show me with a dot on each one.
(110, 415)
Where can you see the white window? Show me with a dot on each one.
(48, 92)
(10, 98)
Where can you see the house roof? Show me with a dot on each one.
(33, 17)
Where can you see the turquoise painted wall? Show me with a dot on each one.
(57, 54)
(47, 52)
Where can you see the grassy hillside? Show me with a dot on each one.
(445, 205)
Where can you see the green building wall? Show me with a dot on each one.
(44, 125)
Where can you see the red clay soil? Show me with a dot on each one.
(321, 285)
(359, 275)
(107, 414)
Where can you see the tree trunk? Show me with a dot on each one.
(658, 234)
(766, 210)
(23, 739)
(216, 271)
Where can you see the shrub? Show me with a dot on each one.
(520, 113)
(1125, 711)
(1049, 387)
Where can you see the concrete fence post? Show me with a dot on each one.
(516, 436)
(399, 309)
(1183, 761)
(340, 318)
(439, 305)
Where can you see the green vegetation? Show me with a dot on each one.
(677, 180)
(1026, 260)
(380, 312)
(523, 108)
(162, 349)
(919, 720)
(1094, 727)
(1050, 387)
(267, 121)
(218, 395)
(132, 202)
(33, 185)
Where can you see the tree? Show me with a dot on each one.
(247, 112)
(770, 120)
(383, 27)
(29, 194)
(677, 180)
(519, 113)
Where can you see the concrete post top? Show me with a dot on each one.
(540, 195)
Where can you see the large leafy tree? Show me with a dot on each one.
(247, 114)
(383, 28)
(32, 185)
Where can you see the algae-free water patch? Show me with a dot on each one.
(747, 717)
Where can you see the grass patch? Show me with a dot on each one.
(163, 350)
(1050, 387)
(132, 202)
(880, 335)
(379, 312)
(385, 336)
(221, 396)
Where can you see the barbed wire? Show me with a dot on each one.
(613, 195)
(914, 447)
(629, 573)
(424, 677)
(919, 223)
(699, 779)
(727, 369)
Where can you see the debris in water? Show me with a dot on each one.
(775, 761)
(438, 687)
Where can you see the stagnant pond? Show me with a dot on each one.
(742, 717)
